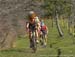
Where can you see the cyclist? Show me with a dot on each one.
(44, 30)
(33, 24)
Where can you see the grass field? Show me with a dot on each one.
(63, 46)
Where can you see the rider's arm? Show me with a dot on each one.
(38, 25)
(47, 29)
(27, 26)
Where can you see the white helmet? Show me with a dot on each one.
(31, 12)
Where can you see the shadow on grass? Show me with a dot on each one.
(21, 50)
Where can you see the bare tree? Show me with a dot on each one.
(57, 18)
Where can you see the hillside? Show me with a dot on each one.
(13, 17)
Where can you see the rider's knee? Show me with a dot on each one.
(36, 33)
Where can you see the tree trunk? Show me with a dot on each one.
(58, 26)
(73, 12)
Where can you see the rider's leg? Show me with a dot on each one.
(45, 39)
(38, 32)
(41, 38)
(37, 38)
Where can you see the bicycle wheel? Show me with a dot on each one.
(34, 44)
(43, 41)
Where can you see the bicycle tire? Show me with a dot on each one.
(43, 38)
(34, 44)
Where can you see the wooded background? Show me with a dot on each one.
(13, 16)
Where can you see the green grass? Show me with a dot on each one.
(65, 44)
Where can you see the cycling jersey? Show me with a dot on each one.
(43, 27)
(32, 26)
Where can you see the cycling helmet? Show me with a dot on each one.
(32, 15)
(31, 12)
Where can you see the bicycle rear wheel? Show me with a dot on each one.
(43, 40)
